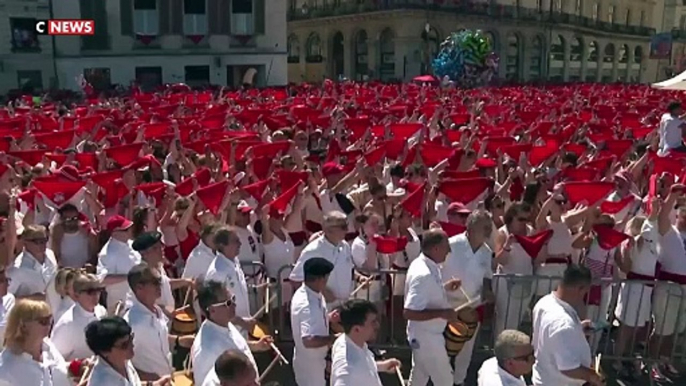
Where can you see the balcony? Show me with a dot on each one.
(466, 8)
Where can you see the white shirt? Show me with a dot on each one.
(29, 277)
(74, 249)
(309, 317)
(65, 304)
(250, 248)
(424, 290)
(151, 339)
(211, 379)
(468, 266)
(352, 365)
(229, 271)
(341, 278)
(559, 343)
(7, 304)
(23, 370)
(211, 342)
(198, 261)
(104, 375)
(671, 250)
(670, 133)
(278, 254)
(68, 333)
(116, 258)
(490, 374)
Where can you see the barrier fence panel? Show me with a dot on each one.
(633, 321)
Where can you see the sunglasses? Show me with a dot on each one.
(228, 303)
(125, 345)
(71, 219)
(92, 291)
(41, 241)
(526, 358)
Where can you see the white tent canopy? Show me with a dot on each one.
(676, 83)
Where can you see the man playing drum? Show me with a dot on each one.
(427, 311)
(470, 261)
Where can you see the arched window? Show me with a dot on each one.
(293, 49)
(314, 47)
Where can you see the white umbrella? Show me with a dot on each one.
(676, 83)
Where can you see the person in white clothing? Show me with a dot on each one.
(202, 255)
(67, 334)
(232, 368)
(352, 363)
(427, 311)
(111, 339)
(563, 354)
(470, 261)
(671, 129)
(669, 303)
(6, 304)
(115, 260)
(152, 340)
(29, 358)
(514, 358)
(310, 324)
(250, 252)
(72, 240)
(226, 268)
(149, 246)
(34, 268)
(331, 245)
(513, 298)
(217, 334)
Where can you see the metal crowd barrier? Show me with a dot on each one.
(516, 296)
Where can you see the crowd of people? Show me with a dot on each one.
(136, 229)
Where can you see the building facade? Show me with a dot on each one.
(551, 40)
(222, 42)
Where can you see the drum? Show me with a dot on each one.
(182, 378)
(458, 333)
(259, 331)
(184, 323)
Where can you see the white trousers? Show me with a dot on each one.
(309, 370)
(429, 361)
(464, 358)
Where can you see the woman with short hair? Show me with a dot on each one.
(111, 339)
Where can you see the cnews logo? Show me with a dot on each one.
(65, 27)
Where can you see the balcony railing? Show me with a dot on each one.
(467, 8)
(98, 42)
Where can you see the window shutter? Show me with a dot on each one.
(126, 16)
(214, 19)
(176, 17)
(163, 12)
(258, 11)
(224, 14)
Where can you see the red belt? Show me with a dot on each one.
(298, 238)
(595, 295)
(668, 276)
(640, 276)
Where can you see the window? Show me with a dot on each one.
(149, 78)
(99, 78)
(197, 75)
(145, 17)
(30, 80)
(194, 17)
(596, 11)
(642, 19)
(682, 22)
(627, 17)
(24, 36)
(313, 45)
(242, 17)
(539, 5)
(611, 14)
(577, 8)
(293, 49)
(558, 6)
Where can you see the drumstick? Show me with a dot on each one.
(361, 286)
(266, 297)
(264, 307)
(268, 369)
(468, 304)
(117, 308)
(400, 376)
(597, 363)
(87, 371)
(278, 353)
